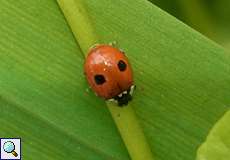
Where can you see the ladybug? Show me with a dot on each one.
(109, 74)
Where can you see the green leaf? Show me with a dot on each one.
(182, 81)
(217, 145)
(211, 18)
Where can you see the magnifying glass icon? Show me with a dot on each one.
(9, 147)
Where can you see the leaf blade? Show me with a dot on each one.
(182, 77)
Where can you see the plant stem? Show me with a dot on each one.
(79, 22)
(131, 131)
(124, 117)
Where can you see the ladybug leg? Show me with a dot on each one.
(113, 43)
(132, 88)
(94, 46)
(112, 100)
(122, 51)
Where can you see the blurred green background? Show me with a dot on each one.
(210, 17)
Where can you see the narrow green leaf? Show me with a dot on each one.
(217, 144)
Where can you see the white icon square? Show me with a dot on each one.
(10, 149)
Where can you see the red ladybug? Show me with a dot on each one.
(109, 74)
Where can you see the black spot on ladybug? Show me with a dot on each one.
(121, 65)
(99, 79)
